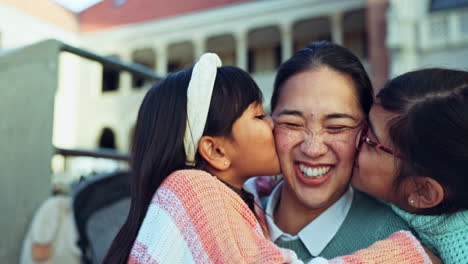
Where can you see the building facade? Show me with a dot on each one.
(254, 35)
(427, 33)
(97, 107)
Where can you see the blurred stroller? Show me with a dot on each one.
(100, 205)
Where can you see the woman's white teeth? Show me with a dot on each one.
(314, 172)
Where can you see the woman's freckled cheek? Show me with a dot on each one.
(345, 145)
(285, 140)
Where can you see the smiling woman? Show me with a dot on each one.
(314, 128)
(321, 98)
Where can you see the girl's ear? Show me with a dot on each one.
(426, 193)
(214, 153)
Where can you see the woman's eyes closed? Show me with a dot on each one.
(290, 124)
(337, 129)
(331, 129)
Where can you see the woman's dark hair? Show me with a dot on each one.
(430, 130)
(326, 54)
(158, 142)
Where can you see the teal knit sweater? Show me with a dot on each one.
(368, 221)
(446, 235)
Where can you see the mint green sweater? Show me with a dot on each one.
(368, 221)
(446, 235)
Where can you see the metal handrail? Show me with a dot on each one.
(113, 63)
(101, 153)
(116, 64)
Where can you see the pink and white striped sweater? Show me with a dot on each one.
(195, 218)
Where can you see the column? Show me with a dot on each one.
(376, 42)
(161, 58)
(337, 28)
(286, 41)
(241, 49)
(125, 76)
(199, 46)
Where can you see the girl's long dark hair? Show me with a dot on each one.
(430, 130)
(158, 147)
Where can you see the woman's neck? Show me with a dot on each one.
(290, 215)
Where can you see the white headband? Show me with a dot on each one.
(198, 102)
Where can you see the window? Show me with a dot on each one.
(110, 77)
(180, 56)
(138, 82)
(250, 61)
(174, 66)
(107, 139)
(437, 5)
(142, 57)
(278, 56)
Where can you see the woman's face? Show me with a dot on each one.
(251, 145)
(317, 119)
(376, 170)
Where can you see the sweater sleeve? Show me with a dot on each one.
(400, 247)
(204, 222)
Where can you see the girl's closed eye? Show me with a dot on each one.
(261, 116)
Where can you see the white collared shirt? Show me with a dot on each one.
(318, 233)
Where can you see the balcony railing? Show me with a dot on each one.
(439, 30)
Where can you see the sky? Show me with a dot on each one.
(77, 5)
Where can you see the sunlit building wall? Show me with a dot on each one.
(93, 104)
(254, 35)
(428, 33)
